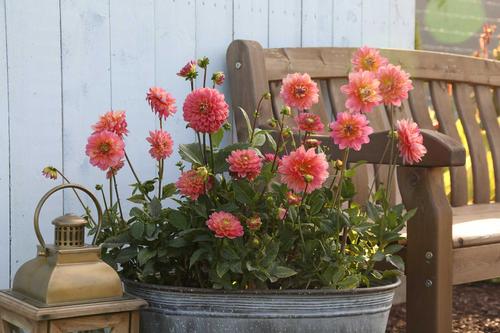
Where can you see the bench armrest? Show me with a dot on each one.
(442, 150)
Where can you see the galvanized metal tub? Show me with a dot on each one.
(176, 309)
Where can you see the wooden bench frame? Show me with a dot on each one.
(433, 265)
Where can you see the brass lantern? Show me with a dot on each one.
(67, 276)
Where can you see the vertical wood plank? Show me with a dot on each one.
(376, 23)
(317, 23)
(445, 115)
(490, 122)
(214, 32)
(4, 158)
(132, 74)
(347, 22)
(87, 94)
(285, 18)
(35, 116)
(418, 99)
(251, 20)
(402, 24)
(466, 109)
(179, 30)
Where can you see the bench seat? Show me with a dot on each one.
(476, 225)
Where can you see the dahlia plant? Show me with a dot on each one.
(275, 211)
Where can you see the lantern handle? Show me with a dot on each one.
(54, 190)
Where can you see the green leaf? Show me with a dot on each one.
(222, 268)
(168, 190)
(178, 220)
(196, 256)
(259, 138)
(137, 230)
(155, 207)
(191, 153)
(137, 198)
(177, 242)
(393, 248)
(271, 141)
(241, 192)
(217, 137)
(396, 261)
(145, 255)
(283, 272)
(126, 254)
(349, 282)
(247, 121)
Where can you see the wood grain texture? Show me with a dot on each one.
(179, 30)
(117, 322)
(466, 109)
(418, 99)
(254, 14)
(347, 23)
(445, 115)
(402, 21)
(35, 89)
(85, 44)
(476, 263)
(285, 18)
(489, 121)
(317, 23)
(4, 157)
(428, 308)
(132, 36)
(375, 26)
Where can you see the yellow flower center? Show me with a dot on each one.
(365, 93)
(203, 107)
(349, 130)
(104, 147)
(368, 63)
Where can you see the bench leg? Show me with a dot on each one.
(429, 254)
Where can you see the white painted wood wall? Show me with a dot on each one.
(64, 62)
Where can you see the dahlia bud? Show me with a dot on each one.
(287, 133)
(203, 62)
(270, 200)
(286, 111)
(338, 164)
(392, 134)
(218, 78)
(255, 242)
(98, 187)
(308, 178)
(293, 199)
(312, 143)
(188, 71)
(254, 223)
(281, 213)
(272, 123)
(267, 95)
(50, 172)
(202, 172)
(226, 126)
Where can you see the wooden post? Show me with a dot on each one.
(429, 252)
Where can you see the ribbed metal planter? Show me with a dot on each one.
(173, 309)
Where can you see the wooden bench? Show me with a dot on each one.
(451, 240)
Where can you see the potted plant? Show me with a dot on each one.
(263, 234)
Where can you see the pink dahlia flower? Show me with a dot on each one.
(309, 122)
(410, 141)
(244, 164)
(368, 59)
(205, 110)
(192, 184)
(282, 213)
(299, 91)
(218, 78)
(362, 92)
(350, 130)
(112, 171)
(161, 144)
(189, 70)
(162, 103)
(105, 149)
(301, 168)
(113, 121)
(225, 225)
(394, 84)
(293, 199)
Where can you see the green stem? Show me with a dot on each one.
(111, 192)
(391, 159)
(106, 207)
(118, 199)
(205, 77)
(304, 195)
(160, 177)
(192, 84)
(338, 194)
(256, 115)
(87, 210)
(212, 160)
(136, 177)
(205, 149)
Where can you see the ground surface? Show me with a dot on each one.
(476, 309)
